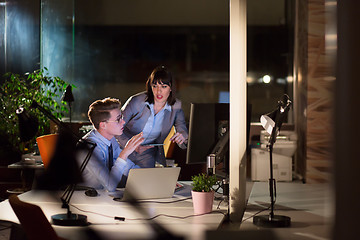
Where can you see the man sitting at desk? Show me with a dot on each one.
(108, 165)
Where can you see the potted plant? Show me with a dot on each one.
(21, 90)
(203, 193)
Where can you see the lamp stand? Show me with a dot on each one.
(273, 220)
(70, 112)
(69, 218)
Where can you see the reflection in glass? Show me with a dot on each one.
(108, 48)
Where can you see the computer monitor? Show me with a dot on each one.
(208, 133)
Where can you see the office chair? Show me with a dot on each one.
(33, 220)
(47, 145)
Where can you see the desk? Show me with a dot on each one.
(190, 228)
(25, 165)
(308, 205)
(27, 171)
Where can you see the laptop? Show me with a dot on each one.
(149, 183)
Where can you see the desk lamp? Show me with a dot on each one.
(68, 97)
(28, 125)
(62, 161)
(272, 122)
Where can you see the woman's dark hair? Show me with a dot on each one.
(160, 75)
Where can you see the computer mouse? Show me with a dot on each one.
(91, 192)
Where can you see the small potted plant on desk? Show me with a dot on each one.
(203, 193)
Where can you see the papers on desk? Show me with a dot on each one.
(28, 161)
(31, 157)
(26, 164)
(179, 186)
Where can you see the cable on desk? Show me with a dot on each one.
(140, 219)
(218, 206)
(100, 214)
(172, 216)
(262, 210)
(174, 201)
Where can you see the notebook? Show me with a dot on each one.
(150, 183)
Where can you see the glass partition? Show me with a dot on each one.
(19, 36)
(270, 44)
(108, 48)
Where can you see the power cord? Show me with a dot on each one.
(177, 217)
(100, 214)
(262, 210)
(150, 201)
(141, 219)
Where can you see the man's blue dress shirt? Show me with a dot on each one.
(96, 174)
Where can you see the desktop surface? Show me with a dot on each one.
(102, 209)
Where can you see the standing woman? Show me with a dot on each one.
(154, 112)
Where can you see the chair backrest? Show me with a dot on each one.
(47, 145)
(32, 219)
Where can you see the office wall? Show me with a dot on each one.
(2, 40)
(320, 94)
(152, 13)
(20, 36)
(314, 93)
(178, 13)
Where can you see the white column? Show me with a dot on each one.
(237, 108)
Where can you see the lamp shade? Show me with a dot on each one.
(68, 96)
(285, 103)
(47, 145)
(268, 121)
(28, 125)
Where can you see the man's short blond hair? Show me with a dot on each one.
(99, 111)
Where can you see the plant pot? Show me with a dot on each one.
(202, 201)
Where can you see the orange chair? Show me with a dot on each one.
(33, 220)
(47, 145)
